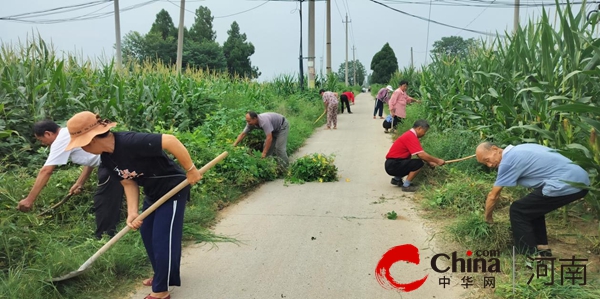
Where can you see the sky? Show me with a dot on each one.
(273, 27)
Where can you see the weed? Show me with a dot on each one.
(392, 215)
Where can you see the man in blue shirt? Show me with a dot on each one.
(538, 167)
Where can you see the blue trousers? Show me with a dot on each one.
(161, 233)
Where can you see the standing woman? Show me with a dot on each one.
(331, 106)
(138, 159)
(398, 104)
(383, 97)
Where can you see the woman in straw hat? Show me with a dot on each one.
(138, 159)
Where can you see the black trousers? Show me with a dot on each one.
(402, 167)
(378, 108)
(396, 120)
(344, 100)
(528, 221)
(108, 201)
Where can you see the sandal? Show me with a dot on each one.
(151, 297)
(148, 282)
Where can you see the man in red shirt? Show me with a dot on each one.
(345, 97)
(398, 161)
(350, 96)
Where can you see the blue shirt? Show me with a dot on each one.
(537, 166)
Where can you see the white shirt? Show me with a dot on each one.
(58, 155)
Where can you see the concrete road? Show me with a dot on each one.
(319, 240)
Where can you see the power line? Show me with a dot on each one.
(351, 23)
(480, 3)
(427, 41)
(478, 16)
(433, 21)
(241, 12)
(225, 16)
(338, 9)
(88, 16)
(57, 10)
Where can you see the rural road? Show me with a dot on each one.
(318, 240)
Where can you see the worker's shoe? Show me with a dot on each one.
(410, 188)
(148, 282)
(396, 182)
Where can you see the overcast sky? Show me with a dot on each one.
(273, 26)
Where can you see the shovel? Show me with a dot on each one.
(147, 212)
(56, 205)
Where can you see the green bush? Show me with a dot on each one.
(312, 168)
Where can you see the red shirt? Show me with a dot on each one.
(350, 95)
(405, 146)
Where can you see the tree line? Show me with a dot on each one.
(384, 63)
(200, 48)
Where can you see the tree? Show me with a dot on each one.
(200, 47)
(383, 65)
(133, 46)
(158, 49)
(237, 52)
(360, 72)
(159, 44)
(202, 29)
(163, 25)
(453, 46)
(204, 55)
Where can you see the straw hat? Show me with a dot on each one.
(84, 126)
(389, 87)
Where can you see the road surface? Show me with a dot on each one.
(318, 240)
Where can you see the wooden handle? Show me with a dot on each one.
(320, 117)
(149, 210)
(461, 159)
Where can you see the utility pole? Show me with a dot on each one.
(354, 64)
(301, 58)
(180, 36)
(118, 33)
(516, 24)
(311, 44)
(321, 64)
(411, 59)
(328, 37)
(346, 49)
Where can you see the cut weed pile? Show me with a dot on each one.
(312, 168)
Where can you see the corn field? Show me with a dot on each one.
(538, 85)
(36, 83)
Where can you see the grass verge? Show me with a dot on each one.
(454, 196)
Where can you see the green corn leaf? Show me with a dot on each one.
(577, 108)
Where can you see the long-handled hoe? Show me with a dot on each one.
(147, 212)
